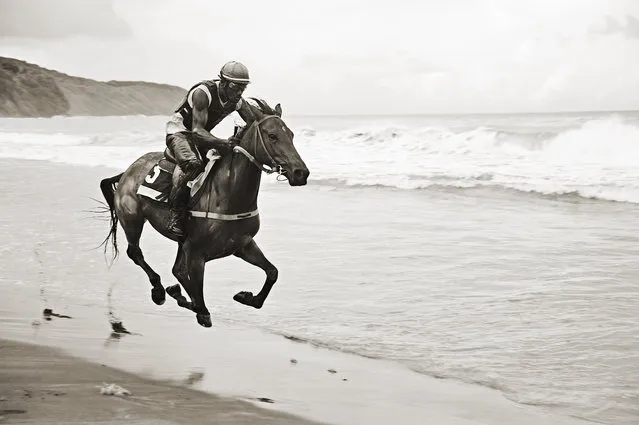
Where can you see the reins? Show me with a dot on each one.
(273, 167)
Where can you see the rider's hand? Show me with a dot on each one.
(227, 147)
(233, 142)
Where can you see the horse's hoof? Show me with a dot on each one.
(246, 298)
(174, 290)
(204, 320)
(157, 295)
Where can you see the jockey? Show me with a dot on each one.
(188, 132)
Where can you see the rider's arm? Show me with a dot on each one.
(205, 140)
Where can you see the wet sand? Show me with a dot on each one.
(48, 243)
(41, 385)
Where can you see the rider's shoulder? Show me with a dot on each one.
(201, 93)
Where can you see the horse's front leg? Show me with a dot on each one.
(180, 271)
(189, 270)
(252, 254)
(195, 289)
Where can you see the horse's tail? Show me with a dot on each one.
(108, 186)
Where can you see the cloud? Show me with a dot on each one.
(360, 56)
(49, 19)
(611, 25)
(632, 27)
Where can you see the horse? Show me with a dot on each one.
(223, 219)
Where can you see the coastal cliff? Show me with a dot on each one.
(28, 90)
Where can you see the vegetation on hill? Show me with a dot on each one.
(29, 90)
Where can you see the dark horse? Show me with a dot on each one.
(223, 219)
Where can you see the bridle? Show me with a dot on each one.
(273, 166)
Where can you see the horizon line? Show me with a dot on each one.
(435, 114)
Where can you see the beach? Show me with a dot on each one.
(448, 205)
(445, 305)
(362, 390)
(40, 385)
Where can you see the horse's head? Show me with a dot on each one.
(270, 142)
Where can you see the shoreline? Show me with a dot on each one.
(41, 384)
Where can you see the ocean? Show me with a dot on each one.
(498, 251)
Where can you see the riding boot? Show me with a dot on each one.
(178, 203)
(175, 225)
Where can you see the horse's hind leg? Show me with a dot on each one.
(252, 254)
(133, 230)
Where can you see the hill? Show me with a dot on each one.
(29, 90)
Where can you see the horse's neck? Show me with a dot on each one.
(235, 185)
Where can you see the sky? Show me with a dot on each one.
(350, 56)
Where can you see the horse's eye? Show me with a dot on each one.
(273, 137)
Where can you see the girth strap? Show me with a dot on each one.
(226, 217)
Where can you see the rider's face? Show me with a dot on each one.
(234, 91)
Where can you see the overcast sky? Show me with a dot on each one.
(350, 56)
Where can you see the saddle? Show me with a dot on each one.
(157, 184)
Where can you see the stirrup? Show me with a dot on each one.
(178, 233)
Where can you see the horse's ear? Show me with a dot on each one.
(278, 110)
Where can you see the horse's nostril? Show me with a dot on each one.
(298, 174)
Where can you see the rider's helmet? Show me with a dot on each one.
(235, 72)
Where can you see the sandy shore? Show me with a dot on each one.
(41, 385)
(49, 260)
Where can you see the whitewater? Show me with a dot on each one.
(589, 155)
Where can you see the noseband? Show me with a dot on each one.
(273, 167)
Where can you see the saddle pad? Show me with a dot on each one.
(157, 183)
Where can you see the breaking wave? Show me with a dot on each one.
(596, 158)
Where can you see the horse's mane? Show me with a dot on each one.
(260, 105)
